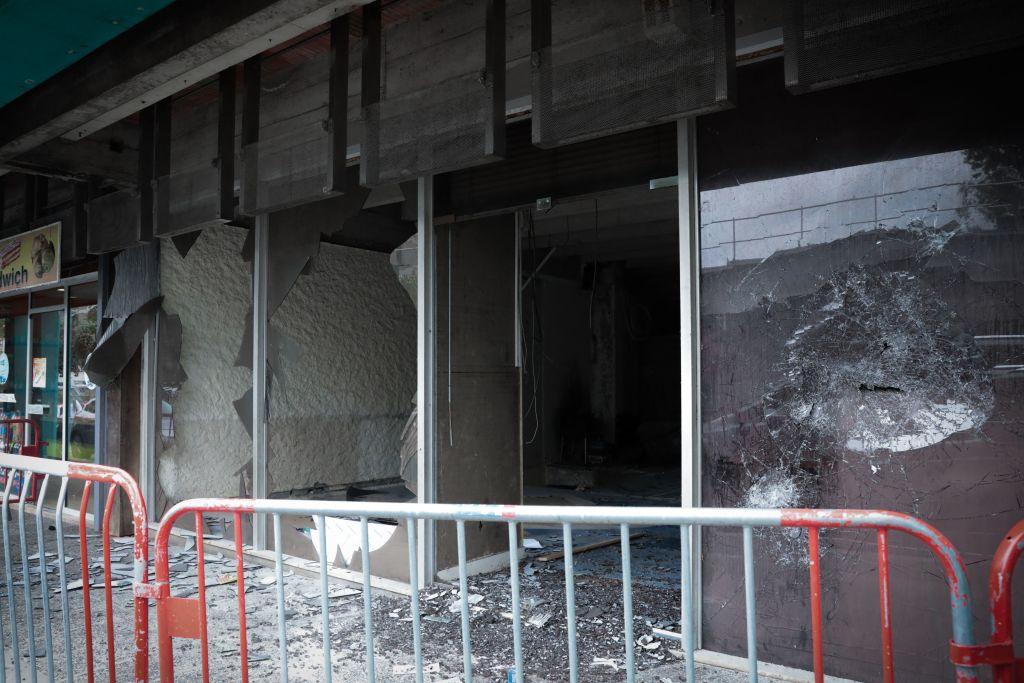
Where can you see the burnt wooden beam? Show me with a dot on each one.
(370, 86)
(251, 75)
(226, 141)
(495, 67)
(180, 45)
(540, 53)
(338, 106)
(109, 154)
(125, 218)
(147, 165)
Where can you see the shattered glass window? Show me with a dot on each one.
(862, 346)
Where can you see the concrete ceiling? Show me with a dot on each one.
(40, 39)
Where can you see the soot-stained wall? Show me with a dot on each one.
(343, 368)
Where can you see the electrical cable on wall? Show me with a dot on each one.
(451, 284)
(593, 280)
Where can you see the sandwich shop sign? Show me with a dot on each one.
(30, 259)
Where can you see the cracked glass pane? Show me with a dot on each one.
(862, 338)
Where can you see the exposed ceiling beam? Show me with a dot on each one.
(172, 50)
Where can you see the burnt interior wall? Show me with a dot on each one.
(602, 350)
(861, 305)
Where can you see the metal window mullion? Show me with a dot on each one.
(28, 376)
(259, 374)
(149, 421)
(103, 284)
(65, 366)
(426, 369)
(689, 333)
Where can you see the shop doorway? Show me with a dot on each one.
(47, 403)
(600, 338)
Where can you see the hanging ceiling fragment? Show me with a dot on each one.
(628, 65)
(119, 343)
(124, 219)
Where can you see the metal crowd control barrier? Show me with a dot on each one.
(31, 469)
(999, 654)
(180, 617)
(20, 435)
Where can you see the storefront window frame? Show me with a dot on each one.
(65, 285)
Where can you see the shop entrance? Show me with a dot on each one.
(47, 403)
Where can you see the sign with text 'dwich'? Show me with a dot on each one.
(30, 259)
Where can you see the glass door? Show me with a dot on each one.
(45, 404)
(13, 352)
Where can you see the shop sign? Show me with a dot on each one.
(31, 258)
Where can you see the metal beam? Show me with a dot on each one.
(188, 41)
(426, 369)
(689, 337)
(369, 93)
(259, 374)
(251, 74)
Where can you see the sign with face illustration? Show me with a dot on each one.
(31, 258)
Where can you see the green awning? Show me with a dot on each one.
(38, 39)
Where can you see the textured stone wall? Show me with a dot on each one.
(343, 354)
(346, 372)
(210, 290)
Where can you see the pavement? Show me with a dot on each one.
(599, 618)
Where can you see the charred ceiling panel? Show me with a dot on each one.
(625, 65)
(295, 122)
(426, 112)
(831, 42)
(861, 347)
(124, 218)
(195, 158)
(115, 221)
